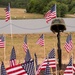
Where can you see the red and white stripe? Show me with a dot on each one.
(1, 43)
(7, 10)
(16, 70)
(25, 47)
(40, 42)
(68, 46)
(12, 63)
(69, 70)
(50, 15)
(52, 64)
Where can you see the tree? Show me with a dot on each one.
(62, 9)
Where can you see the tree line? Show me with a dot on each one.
(42, 6)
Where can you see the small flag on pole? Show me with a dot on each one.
(68, 45)
(13, 58)
(29, 67)
(52, 59)
(69, 68)
(2, 41)
(25, 46)
(47, 70)
(52, 62)
(7, 10)
(28, 56)
(51, 14)
(3, 70)
(41, 40)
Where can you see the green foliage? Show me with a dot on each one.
(62, 9)
(73, 10)
(42, 6)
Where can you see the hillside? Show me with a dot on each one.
(17, 13)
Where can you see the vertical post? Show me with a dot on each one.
(59, 50)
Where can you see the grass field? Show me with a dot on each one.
(19, 14)
(50, 43)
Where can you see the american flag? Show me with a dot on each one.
(13, 58)
(41, 40)
(25, 46)
(3, 70)
(29, 67)
(47, 70)
(28, 56)
(69, 68)
(7, 10)
(68, 45)
(51, 59)
(2, 41)
(51, 14)
(16, 70)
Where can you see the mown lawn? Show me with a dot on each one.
(17, 13)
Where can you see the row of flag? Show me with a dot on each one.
(68, 44)
(28, 65)
(28, 68)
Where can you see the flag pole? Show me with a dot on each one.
(11, 25)
(72, 61)
(55, 56)
(56, 10)
(44, 48)
(35, 64)
(4, 47)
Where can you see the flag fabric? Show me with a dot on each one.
(36, 62)
(47, 70)
(29, 67)
(7, 10)
(68, 45)
(25, 46)
(52, 62)
(13, 58)
(69, 68)
(51, 14)
(3, 70)
(2, 41)
(42, 66)
(28, 56)
(41, 40)
(16, 70)
(52, 59)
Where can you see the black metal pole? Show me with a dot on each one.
(59, 50)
